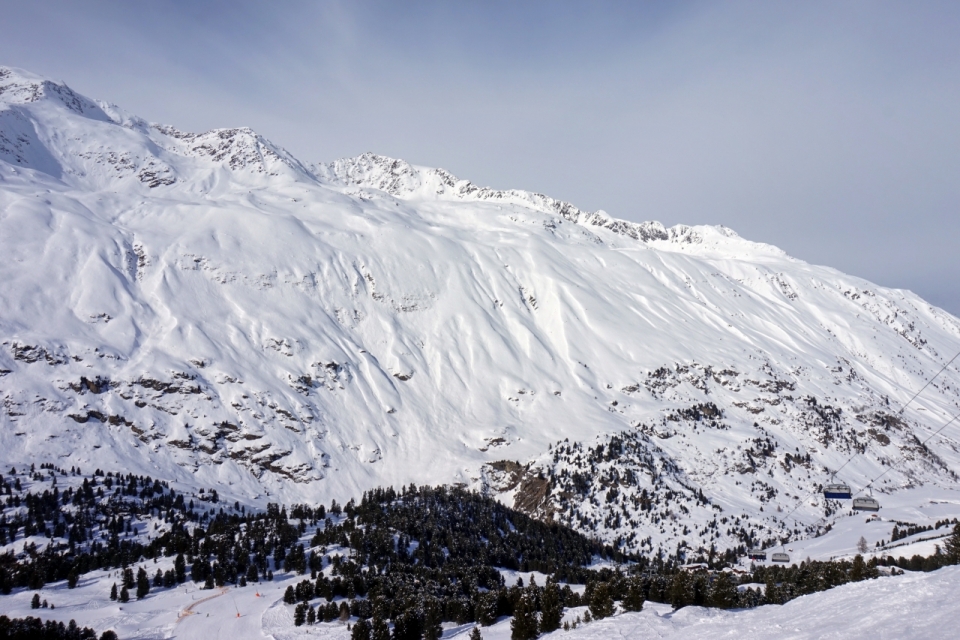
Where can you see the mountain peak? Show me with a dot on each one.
(36, 111)
(19, 87)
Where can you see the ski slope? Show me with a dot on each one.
(208, 309)
(907, 607)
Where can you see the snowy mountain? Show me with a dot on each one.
(207, 308)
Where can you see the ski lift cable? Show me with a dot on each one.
(928, 438)
(929, 382)
(850, 459)
(904, 408)
(870, 484)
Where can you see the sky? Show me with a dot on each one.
(829, 129)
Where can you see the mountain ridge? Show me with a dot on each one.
(404, 180)
(243, 148)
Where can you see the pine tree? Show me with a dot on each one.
(199, 570)
(857, 571)
(680, 590)
(6, 583)
(407, 626)
(35, 602)
(361, 631)
(951, 546)
(124, 594)
(330, 612)
(432, 617)
(381, 630)
(772, 594)
(524, 625)
(551, 609)
(311, 616)
(169, 579)
(379, 608)
(487, 608)
(180, 568)
(475, 634)
(723, 593)
(633, 600)
(288, 596)
(700, 591)
(36, 580)
(143, 584)
(601, 602)
(113, 591)
(659, 589)
(300, 614)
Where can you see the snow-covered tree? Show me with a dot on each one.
(951, 546)
(525, 625)
(633, 600)
(550, 607)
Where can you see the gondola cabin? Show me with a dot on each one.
(865, 504)
(836, 492)
(779, 557)
(757, 554)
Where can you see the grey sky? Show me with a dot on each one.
(829, 129)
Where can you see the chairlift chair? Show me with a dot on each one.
(779, 556)
(757, 554)
(866, 504)
(837, 491)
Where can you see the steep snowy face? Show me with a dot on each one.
(207, 305)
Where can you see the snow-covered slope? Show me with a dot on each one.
(910, 606)
(206, 307)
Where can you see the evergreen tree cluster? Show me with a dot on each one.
(903, 530)
(781, 584)
(414, 558)
(94, 525)
(31, 628)
(422, 556)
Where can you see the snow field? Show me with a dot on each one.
(910, 606)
